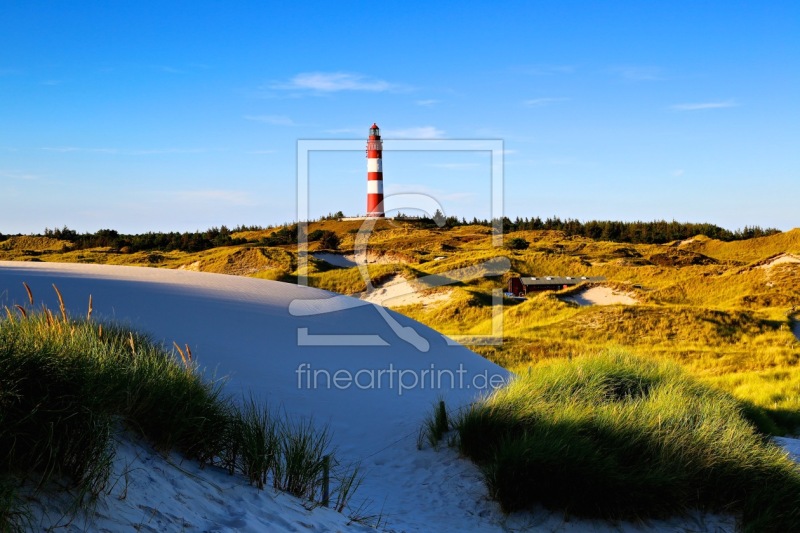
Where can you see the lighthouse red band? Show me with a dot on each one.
(374, 173)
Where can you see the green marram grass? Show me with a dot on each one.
(618, 436)
(68, 387)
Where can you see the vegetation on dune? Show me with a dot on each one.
(617, 436)
(68, 386)
(717, 307)
(720, 304)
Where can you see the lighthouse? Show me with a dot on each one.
(374, 173)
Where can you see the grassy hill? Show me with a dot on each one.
(723, 310)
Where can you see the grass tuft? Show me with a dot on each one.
(616, 436)
(299, 469)
(67, 386)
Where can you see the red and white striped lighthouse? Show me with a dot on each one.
(374, 173)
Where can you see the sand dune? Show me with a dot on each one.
(260, 333)
(601, 296)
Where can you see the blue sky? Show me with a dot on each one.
(140, 116)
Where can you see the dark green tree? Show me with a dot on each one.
(517, 243)
(329, 240)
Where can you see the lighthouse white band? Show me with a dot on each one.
(375, 187)
(374, 165)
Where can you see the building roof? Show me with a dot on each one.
(560, 280)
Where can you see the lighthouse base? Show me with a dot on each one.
(364, 217)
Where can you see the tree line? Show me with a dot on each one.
(656, 232)
(188, 241)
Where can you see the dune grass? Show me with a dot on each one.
(617, 436)
(68, 386)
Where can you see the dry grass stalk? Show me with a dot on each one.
(28, 290)
(133, 345)
(8, 313)
(20, 309)
(89, 313)
(61, 305)
(183, 357)
(186, 356)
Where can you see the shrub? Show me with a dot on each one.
(517, 243)
(315, 235)
(329, 240)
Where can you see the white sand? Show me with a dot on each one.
(601, 296)
(349, 260)
(259, 332)
(780, 260)
(340, 260)
(397, 291)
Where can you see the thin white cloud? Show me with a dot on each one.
(327, 82)
(423, 132)
(541, 102)
(275, 120)
(678, 172)
(705, 105)
(427, 103)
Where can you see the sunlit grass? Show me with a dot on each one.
(616, 436)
